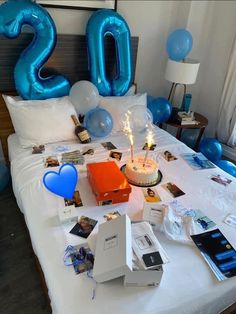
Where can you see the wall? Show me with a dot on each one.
(151, 21)
(213, 25)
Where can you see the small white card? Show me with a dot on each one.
(230, 220)
(154, 213)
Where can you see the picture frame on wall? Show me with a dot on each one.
(80, 4)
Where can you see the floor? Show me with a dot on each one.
(20, 286)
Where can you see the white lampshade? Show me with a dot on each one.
(182, 72)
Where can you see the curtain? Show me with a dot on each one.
(226, 128)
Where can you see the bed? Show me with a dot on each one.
(188, 286)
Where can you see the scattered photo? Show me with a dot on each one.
(51, 161)
(112, 215)
(76, 200)
(105, 202)
(201, 219)
(82, 260)
(74, 158)
(154, 213)
(84, 227)
(108, 145)
(88, 151)
(38, 149)
(172, 189)
(115, 155)
(153, 146)
(151, 196)
(168, 156)
(230, 220)
(221, 180)
(198, 161)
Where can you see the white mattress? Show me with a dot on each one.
(188, 285)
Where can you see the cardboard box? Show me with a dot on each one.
(142, 278)
(108, 183)
(113, 256)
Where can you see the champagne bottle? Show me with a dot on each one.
(80, 131)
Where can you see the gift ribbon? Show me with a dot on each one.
(80, 259)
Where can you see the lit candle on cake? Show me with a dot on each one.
(149, 144)
(128, 131)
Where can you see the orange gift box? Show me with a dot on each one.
(108, 183)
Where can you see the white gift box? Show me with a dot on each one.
(67, 214)
(113, 255)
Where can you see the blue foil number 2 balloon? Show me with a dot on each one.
(29, 84)
(101, 24)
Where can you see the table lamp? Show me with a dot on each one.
(181, 73)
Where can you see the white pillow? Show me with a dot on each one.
(39, 122)
(117, 105)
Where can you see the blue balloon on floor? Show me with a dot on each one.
(227, 166)
(179, 44)
(189, 137)
(98, 122)
(211, 148)
(160, 108)
(4, 176)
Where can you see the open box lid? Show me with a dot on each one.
(113, 254)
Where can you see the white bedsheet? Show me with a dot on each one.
(188, 285)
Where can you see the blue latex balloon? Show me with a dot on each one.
(211, 148)
(160, 108)
(98, 122)
(62, 183)
(29, 84)
(179, 44)
(189, 137)
(4, 176)
(227, 166)
(103, 23)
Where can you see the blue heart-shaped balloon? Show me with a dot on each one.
(62, 183)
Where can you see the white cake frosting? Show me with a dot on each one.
(138, 174)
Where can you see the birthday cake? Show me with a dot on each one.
(138, 174)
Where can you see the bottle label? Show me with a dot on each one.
(84, 136)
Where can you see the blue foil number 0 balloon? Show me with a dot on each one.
(101, 24)
(29, 84)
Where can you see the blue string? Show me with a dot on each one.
(80, 257)
(89, 274)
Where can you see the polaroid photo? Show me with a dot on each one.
(197, 161)
(84, 227)
(38, 149)
(167, 155)
(172, 189)
(220, 179)
(76, 200)
(115, 155)
(51, 161)
(82, 260)
(151, 195)
(153, 146)
(88, 151)
(202, 220)
(230, 220)
(75, 158)
(108, 146)
(112, 215)
(105, 202)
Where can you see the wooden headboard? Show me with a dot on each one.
(69, 58)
